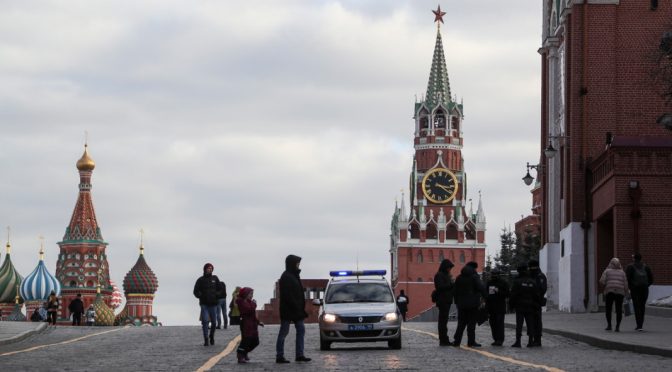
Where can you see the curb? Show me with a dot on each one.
(23, 335)
(606, 344)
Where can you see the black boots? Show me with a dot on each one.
(517, 343)
(205, 341)
(212, 336)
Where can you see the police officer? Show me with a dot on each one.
(498, 291)
(525, 299)
(540, 279)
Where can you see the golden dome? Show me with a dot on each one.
(85, 163)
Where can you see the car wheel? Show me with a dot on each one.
(394, 344)
(325, 345)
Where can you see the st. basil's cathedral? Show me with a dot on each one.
(82, 267)
(437, 225)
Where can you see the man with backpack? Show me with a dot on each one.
(639, 279)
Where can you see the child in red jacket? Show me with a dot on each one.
(249, 332)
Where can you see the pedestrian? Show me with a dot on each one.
(443, 287)
(234, 313)
(615, 289)
(35, 317)
(90, 316)
(525, 300)
(249, 331)
(639, 279)
(52, 307)
(469, 291)
(205, 290)
(221, 307)
(498, 292)
(542, 286)
(292, 309)
(43, 312)
(76, 308)
(402, 304)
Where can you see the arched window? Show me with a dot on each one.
(419, 257)
(440, 120)
(451, 232)
(72, 283)
(419, 279)
(462, 257)
(431, 256)
(441, 257)
(431, 232)
(414, 230)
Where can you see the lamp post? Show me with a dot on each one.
(528, 177)
(550, 151)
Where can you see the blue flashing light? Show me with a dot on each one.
(358, 273)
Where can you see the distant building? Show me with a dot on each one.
(528, 228)
(607, 169)
(314, 289)
(437, 224)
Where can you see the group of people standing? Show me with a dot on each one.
(473, 297)
(211, 294)
(49, 311)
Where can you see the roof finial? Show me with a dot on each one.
(41, 247)
(142, 246)
(86, 138)
(100, 278)
(438, 16)
(16, 299)
(8, 246)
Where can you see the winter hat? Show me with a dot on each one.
(472, 264)
(205, 267)
(244, 292)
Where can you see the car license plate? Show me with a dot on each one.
(360, 327)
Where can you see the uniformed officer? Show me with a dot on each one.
(540, 279)
(525, 300)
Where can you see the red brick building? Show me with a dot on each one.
(530, 226)
(437, 225)
(314, 289)
(606, 181)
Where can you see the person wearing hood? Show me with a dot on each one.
(206, 290)
(615, 289)
(402, 304)
(640, 279)
(444, 285)
(469, 290)
(498, 291)
(52, 308)
(249, 326)
(234, 313)
(292, 309)
(525, 299)
(540, 278)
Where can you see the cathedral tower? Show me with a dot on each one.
(437, 225)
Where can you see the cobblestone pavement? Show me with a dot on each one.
(180, 348)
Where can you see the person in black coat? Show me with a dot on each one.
(640, 279)
(76, 308)
(444, 285)
(221, 306)
(402, 304)
(498, 291)
(540, 278)
(469, 290)
(206, 290)
(525, 299)
(292, 309)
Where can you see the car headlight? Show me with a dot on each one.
(391, 317)
(329, 318)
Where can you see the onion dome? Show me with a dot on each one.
(85, 163)
(104, 315)
(117, 297)
(16, 314)
(9, 279)
(39, 283)
(141, 278)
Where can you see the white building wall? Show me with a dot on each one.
(570, 269)
(549, 257)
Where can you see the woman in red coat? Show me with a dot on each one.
(249, 323)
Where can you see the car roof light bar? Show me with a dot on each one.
(358, 273)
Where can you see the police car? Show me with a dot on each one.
(359, 306)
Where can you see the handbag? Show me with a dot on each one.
(482, 315)
(627, 308)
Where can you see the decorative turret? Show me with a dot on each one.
(117, 296)
(16, 315)
(10, 280)
(39, 283)
(85, 163)
(104, 315)
(141, 278)
(140, 284)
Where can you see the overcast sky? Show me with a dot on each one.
(237, 132)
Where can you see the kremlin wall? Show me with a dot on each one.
(81, 268)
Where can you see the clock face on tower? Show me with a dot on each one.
(439, 185)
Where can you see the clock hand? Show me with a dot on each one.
(445, 188)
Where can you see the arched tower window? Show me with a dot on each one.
(419, 257)
(72, 284)
(431, 256)
(441, 257)
(414, 230)
(431, 232)
(440, 119)
(451, 231)
(462, 257)
(455, 126)
(469, 231)
(424, 121)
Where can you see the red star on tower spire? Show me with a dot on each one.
(438, 14)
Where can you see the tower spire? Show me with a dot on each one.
(438, 87)
(142, 246)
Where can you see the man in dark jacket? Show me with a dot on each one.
(639, 279)
(444, 285)
(221, 306)
(292, 309)
(402, 304)
(76, 308)
(469, 290)
(540, 278)
(498, 291)
(206, 290)
(525, 299)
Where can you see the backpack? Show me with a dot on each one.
(639, 276)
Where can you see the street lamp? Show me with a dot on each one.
(528, 177)
(665, 120)
(550, 150)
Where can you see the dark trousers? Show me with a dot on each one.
(76, 319)
(538, 326)
(444, 311)
(528, 317)
(496, 321)
(639, 297)
(610, 298)
(51, 317)
(248, 344)
(466, 318)
(403, 315)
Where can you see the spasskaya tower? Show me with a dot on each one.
(437, 224)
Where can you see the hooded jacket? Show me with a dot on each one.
(248, 314)
(525, 294)
(613, 278)
(469, 289)
(292, 299)
(206, 289)
(443, 283)
(498, 291)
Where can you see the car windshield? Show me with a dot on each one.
(358, 292)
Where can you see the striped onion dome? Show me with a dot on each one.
(141, 279)
(104, 315)
(39, 284)
(17, 315)
(9, 279)
(117, 297)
